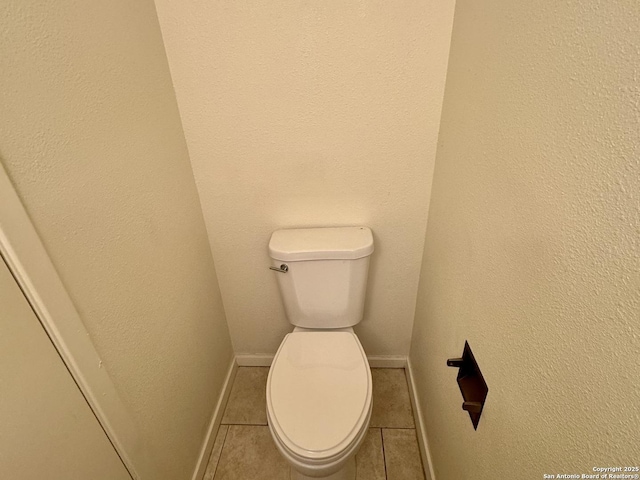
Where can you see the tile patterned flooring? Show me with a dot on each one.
(244, 450)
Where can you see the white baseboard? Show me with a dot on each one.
(387, 361)
(214, 424)
(421, 432)
(254, 360)
(375, 361)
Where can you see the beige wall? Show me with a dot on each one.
(305, 113)
(532, 249)
(48, 430)
(91, 137)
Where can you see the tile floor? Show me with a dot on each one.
(244, 450)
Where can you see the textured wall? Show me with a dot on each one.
(91, 137)
(44, 416)
(305, 113)
(533, 243)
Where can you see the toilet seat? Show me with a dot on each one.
(319, 394)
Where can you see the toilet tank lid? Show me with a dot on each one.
(329, 243)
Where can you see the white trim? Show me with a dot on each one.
(214, 424)
(27, 258)
(387, 361)
(375, 361)
(421, 431)
(254, 360)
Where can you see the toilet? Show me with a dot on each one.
(319, 390)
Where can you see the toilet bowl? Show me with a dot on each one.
(319, 391)
(319, 400)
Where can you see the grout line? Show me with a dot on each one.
(224, 441)
(415, 433)
(355, 462)
(384, 457)
(247, 424)
(380, 428)
(397, 428)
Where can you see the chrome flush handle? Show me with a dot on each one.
(284, 268)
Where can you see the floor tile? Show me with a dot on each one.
(370, 458)
(215, 453)
(402, 455)
(247, 403)
(250, 454)
(391, 404)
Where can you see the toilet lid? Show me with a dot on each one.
(319, 392)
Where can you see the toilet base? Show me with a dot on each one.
(348, 472)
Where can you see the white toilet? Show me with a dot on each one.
(319, 387)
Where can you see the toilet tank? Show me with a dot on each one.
(325, 281)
